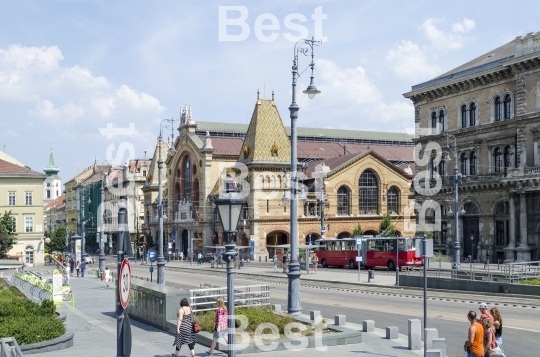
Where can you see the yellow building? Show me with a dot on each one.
(21, 193)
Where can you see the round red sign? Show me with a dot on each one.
(124, 283)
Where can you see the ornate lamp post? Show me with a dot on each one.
(457, 182)
(304, 47)
(229, 204)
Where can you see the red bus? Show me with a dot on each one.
(376, 252)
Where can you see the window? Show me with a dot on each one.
(434, 122)
(29, 224)
(508, 157)
(11, 199)
(368, 189)
(48, 193)
(28, 198)
(444, 232)
(463, 116)
(432, 168)
(507, 106)
(267, 206)
(14, 226)
(197, 193)
(392, 200)
(343, 201)
(48, 184)
(464, 164)
(498, 108)
(472, 163)
(187, 179)
(311, 209)
(144, 173)
(472, 114)
(442, 168)
(497, 160)
(500, 232)
(29, 254)
(441, 120)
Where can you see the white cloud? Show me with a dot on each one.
(351, 99)
(452, 40)
(61, 95)
(409, 61)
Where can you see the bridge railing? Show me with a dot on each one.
(204, 299)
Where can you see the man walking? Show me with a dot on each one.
(199, 258)
(275, 261)
(474, 346)
(83, 267)
(484, 312)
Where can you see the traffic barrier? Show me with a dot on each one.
(340, 320)
(392, 332)
(368, 325)
(414, 335)
(429, 335)
(313, 314)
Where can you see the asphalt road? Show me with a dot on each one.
(390, 307)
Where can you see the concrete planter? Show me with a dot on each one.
(59, 343)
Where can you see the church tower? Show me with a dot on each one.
(52, 186)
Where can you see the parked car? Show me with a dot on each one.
(88, 258)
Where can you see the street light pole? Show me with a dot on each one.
(457, 182)
(293, 303)
(102, 229)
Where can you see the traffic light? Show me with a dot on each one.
(214, 238)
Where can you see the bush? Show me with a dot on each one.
(531, 281)
(27, 321)
(438, 257)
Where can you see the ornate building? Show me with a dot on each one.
(359, 176)
(490, 109)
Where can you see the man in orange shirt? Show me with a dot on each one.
(474, 346)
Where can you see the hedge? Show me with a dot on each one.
(27, 321)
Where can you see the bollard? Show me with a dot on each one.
(368, 326)
(266, 259)
(434, 353)
(392, 332)
(414, 334)
(439, 344)
(429, 335)
(259, 258)
(340, 320)
(277, 307)
(313, 314)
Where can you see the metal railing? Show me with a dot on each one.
(204, 299)
(9, 347)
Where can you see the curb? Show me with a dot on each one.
(59, 343)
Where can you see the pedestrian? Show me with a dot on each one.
(221, 325)
(484, 312)
(181, 257)
(474, 346)
(107, 276)
(275, 261)
(83, 268)
(71, 266)
(78, 267)
(489, 336)
(199, 258)
(284, 261)
(315, 261)
(184, 329)
(498, 325)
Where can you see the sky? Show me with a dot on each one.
(69, 68)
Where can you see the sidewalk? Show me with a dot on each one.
(94, 323)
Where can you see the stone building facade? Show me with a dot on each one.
(485, 116)
(355, 171)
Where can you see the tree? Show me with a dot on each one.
(58, 240)
(387, 226)
(357, 231)
(7, 233)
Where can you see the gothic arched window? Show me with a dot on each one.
(472, 114)
(392, 200)
(186, 184)
(368, 192)
(507, 106)
(343, 201)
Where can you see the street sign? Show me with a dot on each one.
(152, 254)
(358, 242)
(358, 259)
(420, 248)
(124, 283)
(323, 229)
(151, 269)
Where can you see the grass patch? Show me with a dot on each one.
(255, 317)
(3, 283)
(27, 321)
(535, 281)
(438, 257)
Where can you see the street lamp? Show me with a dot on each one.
(229, 204)
(304, 47)
(457, 182)
(160, 259)
(472, 247)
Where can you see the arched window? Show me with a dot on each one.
(343, 201)
(472, 163)
(472, 114)
(464, 164)
(442, 168)
(186, 184)
(178, 194)
(197, 193)
(392, 200)
(463, 116)
(498, 108)
(29, 254)
(507, 106)
(441, 119)
(497, 160)
(434, 122)
(369, 193)
(508, 157)
(502, 224)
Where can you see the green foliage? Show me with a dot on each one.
(357, 231)
(150, 242)
(438, 257)
(535, 281)
(58, 240)
(427, 233)
(387, 226)
(27, 321)
(7, 233)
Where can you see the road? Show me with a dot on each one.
(390, 306)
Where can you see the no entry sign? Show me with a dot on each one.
(124, 283)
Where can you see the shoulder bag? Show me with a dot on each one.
(494, 351)
(196, 326)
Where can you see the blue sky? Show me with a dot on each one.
(68, 68)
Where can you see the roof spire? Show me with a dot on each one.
(272, 96)
(51, 170)
(258, 98)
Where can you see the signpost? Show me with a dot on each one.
(57, 286)
(424, 249)
(359, 257)
(124, 282)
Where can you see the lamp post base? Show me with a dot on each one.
(293, 301)
(160, 270)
